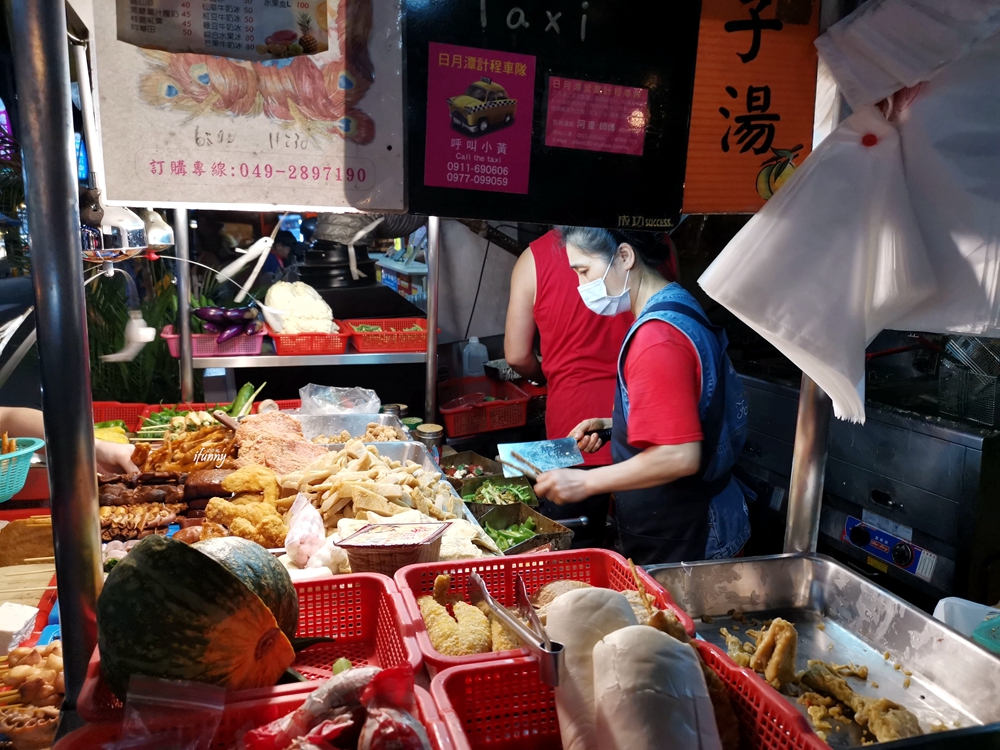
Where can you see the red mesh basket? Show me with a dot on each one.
(204, 344)
(504, 705)
(597, 567)
(237, 720)
(392, 338)
(311, 343)
(105, 411)
(510, 410)
(363, 611)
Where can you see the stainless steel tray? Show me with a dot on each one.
(314, 425)
(954, 682)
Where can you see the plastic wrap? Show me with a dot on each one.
(326, 399)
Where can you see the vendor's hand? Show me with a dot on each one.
(563, 486)
(584, 435)
(114, 458)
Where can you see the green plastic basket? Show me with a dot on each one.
(14, 467)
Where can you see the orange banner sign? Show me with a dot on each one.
(754, 93)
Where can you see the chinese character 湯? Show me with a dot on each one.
(755, 130)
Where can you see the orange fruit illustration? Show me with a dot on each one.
(776, 171)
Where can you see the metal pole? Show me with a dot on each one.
(41, 63)
(184, 302)
(805, 497)
(433, 278)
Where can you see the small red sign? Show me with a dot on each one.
(596, 116)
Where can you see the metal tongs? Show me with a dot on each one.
(547, 652)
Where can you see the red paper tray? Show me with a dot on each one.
(237, 720)
(504, 705)
(597, 567)
(363, 611)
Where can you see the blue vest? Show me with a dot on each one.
(702, 516)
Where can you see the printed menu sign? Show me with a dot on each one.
(244, 29)
(596, 116)
(479, 111)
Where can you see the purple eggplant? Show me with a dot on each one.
(252, 327)
(231, 332)
(210, 327)
(211, 314)
(240, 314)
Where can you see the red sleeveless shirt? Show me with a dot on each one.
(579, 347)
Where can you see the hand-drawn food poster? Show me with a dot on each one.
(314, 131)
(599, 119)
(754, 100)
(244, 29)
(479, 119)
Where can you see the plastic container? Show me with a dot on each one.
(504, 705)
(204, 344)
(305, 344)
(105, 411)
(510, 409)
(387, 547)
(14, 466)
(474, 358)
(363, 611)
(963, 615)
(394, 336)
(237, 720)
(597, 567)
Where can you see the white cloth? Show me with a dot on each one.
(887, 45)
(832, 259)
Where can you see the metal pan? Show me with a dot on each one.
(842, 617)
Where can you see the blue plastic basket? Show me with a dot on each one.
(14, 467)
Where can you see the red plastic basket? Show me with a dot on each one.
(504, 705)
(311, 343)
(105, 411)
(392, 338)
(597, 567)
(237, 720)
(289, 404)
(363, 611)
(511, 410)
(204, 344)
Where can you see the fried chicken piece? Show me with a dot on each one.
(225, 512)
(272, 531)
(775, 654)
(735, 648)
(501, 639)
(441, 585)
(254, 479)
(467, 633)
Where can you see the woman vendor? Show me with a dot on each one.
(680, 410)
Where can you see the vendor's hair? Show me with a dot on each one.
(604, 243)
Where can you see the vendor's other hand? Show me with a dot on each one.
(563, 486)
(584, 434)
(114, 458)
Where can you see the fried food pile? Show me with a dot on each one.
(254, 512)
(356, 481)
(466, 629)
(7, 444)
(125, 522)
(275, 440)
(375, 433)
(35, 677)
(211, 447)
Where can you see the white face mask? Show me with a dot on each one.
(595, 296)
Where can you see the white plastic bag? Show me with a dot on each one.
(327, 399)
(306, 533)
(832, 259)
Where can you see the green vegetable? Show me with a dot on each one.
(111, 423)
(364, 328)
(491, 492)
(110, 564)
(512, 535)
(244, 395)
(341, 665)
(413, 328)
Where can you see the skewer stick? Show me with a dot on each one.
(29, 560)
(8, 693)
(517, 468)
(10, 592)
(24, 573)
(526, 462)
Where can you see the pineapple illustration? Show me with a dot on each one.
(308, 41)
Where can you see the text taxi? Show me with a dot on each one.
(483, 105)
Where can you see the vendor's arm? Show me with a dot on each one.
(21, 422)
(519, 333)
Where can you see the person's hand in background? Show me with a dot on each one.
(114, 458)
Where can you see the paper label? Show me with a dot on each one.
(243, 29)
(925, 565)
(883, 523)
(596, 116)
(479, 109)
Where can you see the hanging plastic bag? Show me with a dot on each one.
(174, 714)
(832, 259)
(392, 710)
(306, 533)
(326, 399)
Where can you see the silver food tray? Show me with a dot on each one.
(954, 682)
(314, 425)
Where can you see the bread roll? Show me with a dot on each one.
(578, 620)
(650, 693)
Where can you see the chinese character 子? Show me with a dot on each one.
(756, 24)
(178, 168)
(219, 169)
(199, 168)
(755, 129)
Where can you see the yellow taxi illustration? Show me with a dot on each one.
(483, 105)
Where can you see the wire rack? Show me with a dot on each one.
(969, 395)
(981, 356)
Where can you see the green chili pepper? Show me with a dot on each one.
(241, 399)
(110, 423)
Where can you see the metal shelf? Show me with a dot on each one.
(269, 359)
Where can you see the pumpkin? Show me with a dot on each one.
(170, 611)
(260, 572)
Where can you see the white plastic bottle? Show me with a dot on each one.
(474, 356)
